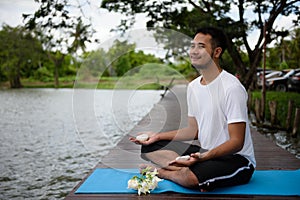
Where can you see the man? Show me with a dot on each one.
(217, 117)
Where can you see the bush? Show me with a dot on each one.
(2, 76)
(43, 74)
(283, 65)
(282, 99)
(156, 70)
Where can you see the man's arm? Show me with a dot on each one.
(188, 133)
(231, 146)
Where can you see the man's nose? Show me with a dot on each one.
(194, 51)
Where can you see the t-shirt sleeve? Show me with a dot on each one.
(190, 102)
(236, 104)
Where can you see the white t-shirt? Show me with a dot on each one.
(217, 104)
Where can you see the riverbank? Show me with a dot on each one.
(126, 82)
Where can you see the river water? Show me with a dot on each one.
(50, 139)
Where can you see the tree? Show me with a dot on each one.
(93, 66)
(285, 52)
(292, 49)
(59, 32)
(186, 16)
(123, 57)
(118, 56)
(18, 50)
(118, 60)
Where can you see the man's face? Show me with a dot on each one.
(201, 51)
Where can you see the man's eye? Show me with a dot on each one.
(197, 46)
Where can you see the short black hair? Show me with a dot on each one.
(218, 37)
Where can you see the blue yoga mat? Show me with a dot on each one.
(269, 182)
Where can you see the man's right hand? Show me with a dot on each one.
(153, 137)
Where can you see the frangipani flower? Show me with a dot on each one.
(146, 182)
(154, 183)
(133, 183)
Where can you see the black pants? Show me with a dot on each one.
(223, 171)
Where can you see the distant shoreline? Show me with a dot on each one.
(104, 83)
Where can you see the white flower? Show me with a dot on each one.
(144, 188)
(143, 191)
(155, 172)
(146, 182)
(153, 184)
(133, 183)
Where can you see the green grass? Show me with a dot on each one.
(130, 82)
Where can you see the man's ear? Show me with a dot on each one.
(217, 52)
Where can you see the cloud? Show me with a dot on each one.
(102, 20)
(11, 11)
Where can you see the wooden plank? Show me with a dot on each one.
(169, 114)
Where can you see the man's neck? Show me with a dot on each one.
(210, 74)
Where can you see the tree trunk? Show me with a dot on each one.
(15, 79)
(15, 82)
(56, 76)
(57, 60)
(289, 115)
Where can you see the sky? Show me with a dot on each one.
(102, 21)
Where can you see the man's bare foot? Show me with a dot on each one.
(183, 176)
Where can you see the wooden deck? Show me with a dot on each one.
(169, 114)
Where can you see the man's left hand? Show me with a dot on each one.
(194, 157)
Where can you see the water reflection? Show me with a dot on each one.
(44, 151)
